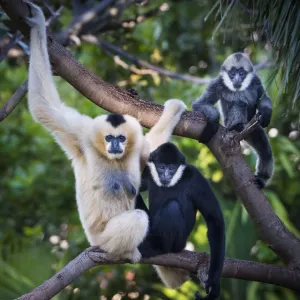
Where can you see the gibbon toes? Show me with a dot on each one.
(136, 256)
(177, 106)
(37, 18)
(260, 183)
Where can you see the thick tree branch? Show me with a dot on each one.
(14, 100)
(191, 261)
(225, 148)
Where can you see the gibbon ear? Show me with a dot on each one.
(151, 156)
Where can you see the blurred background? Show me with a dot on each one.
(40, 231)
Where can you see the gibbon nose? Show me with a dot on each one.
(237, 85)
(115, 147)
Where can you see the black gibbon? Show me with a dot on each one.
(176, 191)
(106, 153)
(241, 94)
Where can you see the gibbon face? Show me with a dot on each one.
(116, 135)
(237, 72)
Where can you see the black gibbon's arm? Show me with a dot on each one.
(264, 105)
(208, 205)
(63, 122)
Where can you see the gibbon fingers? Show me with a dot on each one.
(106, 153)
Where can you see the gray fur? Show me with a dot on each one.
(238, 107)
(118, 181)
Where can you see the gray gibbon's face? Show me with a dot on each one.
(237, 72)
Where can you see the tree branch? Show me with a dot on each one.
(191, 261)
(14, 100)
(141, 63)
(223, 145)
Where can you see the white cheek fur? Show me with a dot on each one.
(177, 176)
(246, 82)
(227, 81)
(154, 173)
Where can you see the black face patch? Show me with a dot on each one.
(115, 119)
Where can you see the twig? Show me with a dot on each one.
(14, 100)
(250, 127)
(190, 261)
(141, 63)
(54, 14)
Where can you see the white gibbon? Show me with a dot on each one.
(106, 153)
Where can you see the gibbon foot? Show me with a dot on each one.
(237, 127)
(259, 182)
(134, 256)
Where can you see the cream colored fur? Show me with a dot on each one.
(110, 222)
(172, 278)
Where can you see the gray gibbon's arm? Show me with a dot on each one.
(264, 105)
(205, 104)
(64, 123)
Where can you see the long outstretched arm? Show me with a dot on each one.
(161, 132)
(64, 123)
(209, 207)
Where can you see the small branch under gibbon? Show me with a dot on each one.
(190, 261)
(250, 127)
(14, 100)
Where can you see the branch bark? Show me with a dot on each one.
(14, 100)
(191, 261)
(223, 145)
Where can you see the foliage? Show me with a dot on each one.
(39, 226)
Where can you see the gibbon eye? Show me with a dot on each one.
(232, 73)
(122, 138)
(172, 168)
(108, 138)
(161, 167)
(242, 73)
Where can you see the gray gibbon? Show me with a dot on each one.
(177, 191)
(107, 153)
(242, 95)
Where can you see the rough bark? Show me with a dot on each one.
(191, 261)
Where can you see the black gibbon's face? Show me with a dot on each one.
(166, 172)
(237, 76)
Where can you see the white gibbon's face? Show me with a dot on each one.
(115, 136)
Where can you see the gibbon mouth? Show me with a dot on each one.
(115, 151)
(237, 85)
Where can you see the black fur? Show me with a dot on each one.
(172, 214)
(115, 119)
(169, 154)
(238, 108)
